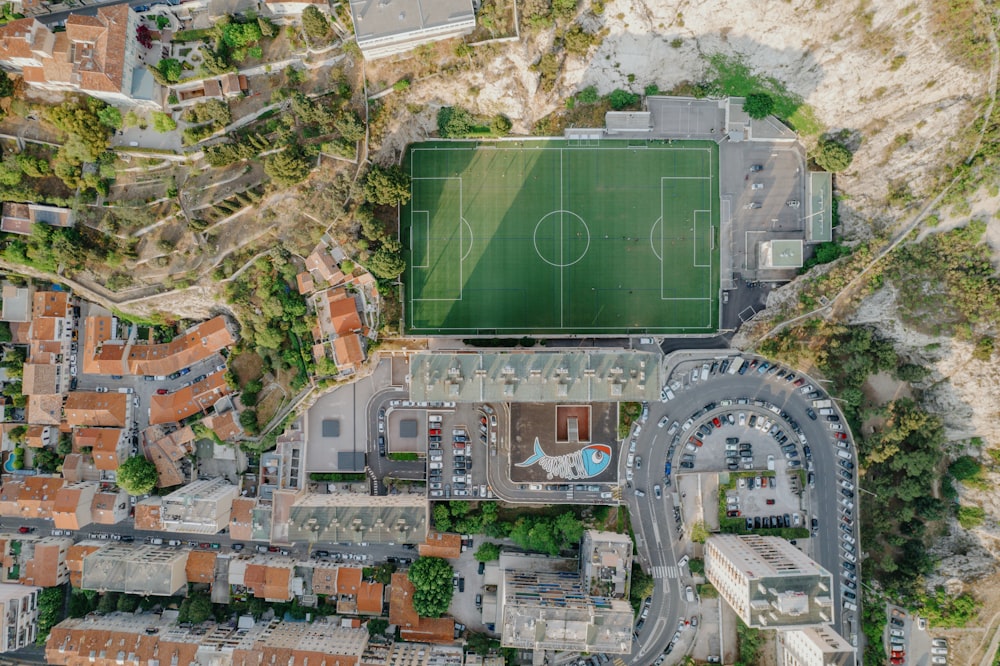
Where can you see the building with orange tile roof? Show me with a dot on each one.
(305, 283)
(77, 467)
(30, 496)
(324, 579)
(412, 627)
(339, 325)
(38, 436)
(200, 566)
(348, 580)
(270, 580)
(103, 352)
(196, 344)
(47, 303)
(19, 218)
(322, 263)
(108, 446)
(41, 379)
(45, 564)
(226, 426)
(110, 507)
(73, 507)
(74, 560)
(45, 409)
(190, 400)
(441, 544)
(86, 408)
(241, 518)
(147, 515)
(370, 597)
(96, 55)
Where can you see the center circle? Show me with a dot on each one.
(561, 238)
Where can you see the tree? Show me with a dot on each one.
(17, 435)
(442, 518)
(195, 609)
(144, 37)
(833, 155)
(50, 610)
(454, 122)
(315, 24)
(80, 603)
(588, 95)
(500, 124)
(377, 626)
(349, 125)
(46, 460)
(241, 35)
(620, 99)
(432, 582)
(387, 186)
(108, 603)
(128, 603)
(65, 446)
(6, 85)
(386, 263)
(758, 105)
(383, 573)
(288, 167)
(487, 552)
(171, 69)
(163, 123)
(248, 419)
(137, 476)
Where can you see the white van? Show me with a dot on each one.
(734, 366)
(125, 389)
(682, 562)
(846, 455)
(849, 606)
(435, 465)
(704, 371)
(434, 418)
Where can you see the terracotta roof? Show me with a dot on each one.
(401, 611)
(241, 519)
(183, 351)
(370, 598)
(97, 357)
(64, 512)
(225, 425)
(39, 379)
(347, 351)
(200, 566)
(167, 471)
(43, 567)
(18, 39)
(147, 516)
(45, 409)
(441, 544)
(188, 400)
(269, 581)
(51, 303)
(44, 328)
(37, 495)
(92, 51)
(304, 279)
(431, 630)
(324, 579)
(323, 263)
(20, 332)
(15, 226)
(35, 437)
(343, 312)
(103, 441)
(76, 553)
(84, 408)
(103, 508)
(73, 467)
(348, 580)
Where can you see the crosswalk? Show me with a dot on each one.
(665, 572)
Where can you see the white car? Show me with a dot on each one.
(681, 563)
(847, 485)
(743, 418)
(850, 557)
(835, 426)
(630, 460)
(628, 475)
(662, 422)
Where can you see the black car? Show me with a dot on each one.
(756, 523)
(847, 464)
(461, 585)
(833, 418)
(815, 524)
(851, 567)
(894, 620)
(238, 547)
(482, 568)
(381, 445)
(687, 464)
(807, 451)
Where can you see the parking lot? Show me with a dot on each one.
(908, 642)
(457, 441)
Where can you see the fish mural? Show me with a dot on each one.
(586, 463)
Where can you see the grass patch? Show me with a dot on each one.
(971, 517)
(403, 455)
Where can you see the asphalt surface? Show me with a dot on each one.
(85, 10)
(653, 521)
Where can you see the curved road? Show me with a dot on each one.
(652, 519)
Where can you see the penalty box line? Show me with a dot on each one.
(461, 241)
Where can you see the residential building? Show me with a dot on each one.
(324, 579)
(196, 344)
(135, 569)
(424, 654)
(200, 567)
(96, 55)
(768, 582)
(110, 507)
(77, 467)
(18, 218)
(74, 560)
(270, 579)
(241, 518)
(16, 303)
(38, 436)
(19, 619)
(200, 397)
(339, 325)
(350, 517)
(105, 410)
(412, 627)
(30, 496)
(108, 446)
(103, 350)
(73, 508)
(169, 452)
(814, 646)
(544, 604)
(322, 266)
(354, 595)
(226, 425)
(201, 507)
(44, 409)
(301, 643)
(606, 563)
(226, 86)
(440, 544)
(389, 27)
(473, 659)
(44, 561)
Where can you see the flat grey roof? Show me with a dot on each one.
(819, 223)
(331, 427)
(380, 19)
(535, 377)
(781, 253)
(628, 121)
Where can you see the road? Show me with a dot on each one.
(652, 519)
(85, 10)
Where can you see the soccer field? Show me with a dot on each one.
(561, 237)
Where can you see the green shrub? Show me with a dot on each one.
(622, 99)
(833, 156)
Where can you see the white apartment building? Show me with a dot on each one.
(388, 27)
(769, 582)
(814, 646)
(19, 620)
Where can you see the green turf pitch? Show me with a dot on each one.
(561, 237)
